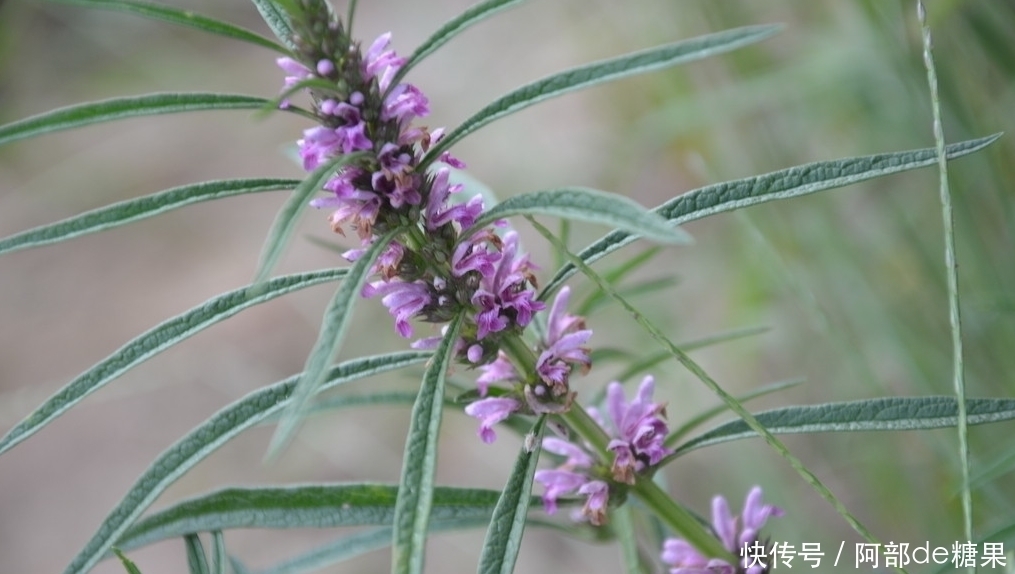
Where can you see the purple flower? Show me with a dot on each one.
(404, 103)
(439, 213)
(565, 337)
(639, 430)
(352, 133)
(402, 299)
(557, 483)
(491, 411)
(353, 205)
(573, 476)
(295, 73)
(504, 297)
(499, 370)
(318, 144)
(381, 63)
(476, 254)
(685, 559)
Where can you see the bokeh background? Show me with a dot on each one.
(849, 283)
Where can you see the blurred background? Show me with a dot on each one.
(849, 283)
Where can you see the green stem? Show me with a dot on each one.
(679, 519)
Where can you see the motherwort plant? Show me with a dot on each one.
(445, 262)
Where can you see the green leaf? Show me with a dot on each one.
(197, 562)
(287, 218)
(181, 17)
(586, 205)
(455, 26)
(218, 553)
(600, 72)
(884, 414)
(328, 404)
(277, 20)
(504, 536)
(416, 487)
(133, 210)
(333, 327)
(702, 417)
(784, 184)
(360, 543)
(155, 341)
(304, 506)
(128, 565)
(205, 439)
(119, 108)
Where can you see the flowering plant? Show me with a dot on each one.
(450, 269)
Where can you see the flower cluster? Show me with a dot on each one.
(440, 265)
(637, 430)
(737, 534)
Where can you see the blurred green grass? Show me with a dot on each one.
(851, 281)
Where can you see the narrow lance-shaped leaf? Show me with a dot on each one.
(181, 17)
(419, 463)
(304, 506)
(333, 327)
(356, 544)
(884, 414)
(287, 218)
(133, 210)
(120, 108)
(155, 341)
(197, 561)
(128, 565)
(203, 440)
(452, 28)
(277, 20)
(783, 184)
(218, 553)
(600, 72)
(586, 205)
(504, 536)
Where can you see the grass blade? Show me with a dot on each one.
(783, 184)
(333, 327)
(155, 341)
(951, 271)
(416, 488)
(120, 108)
(133, 210)
(205, 439)
(180, 17)
(600, 72)
(504, 536)
(586, 205)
